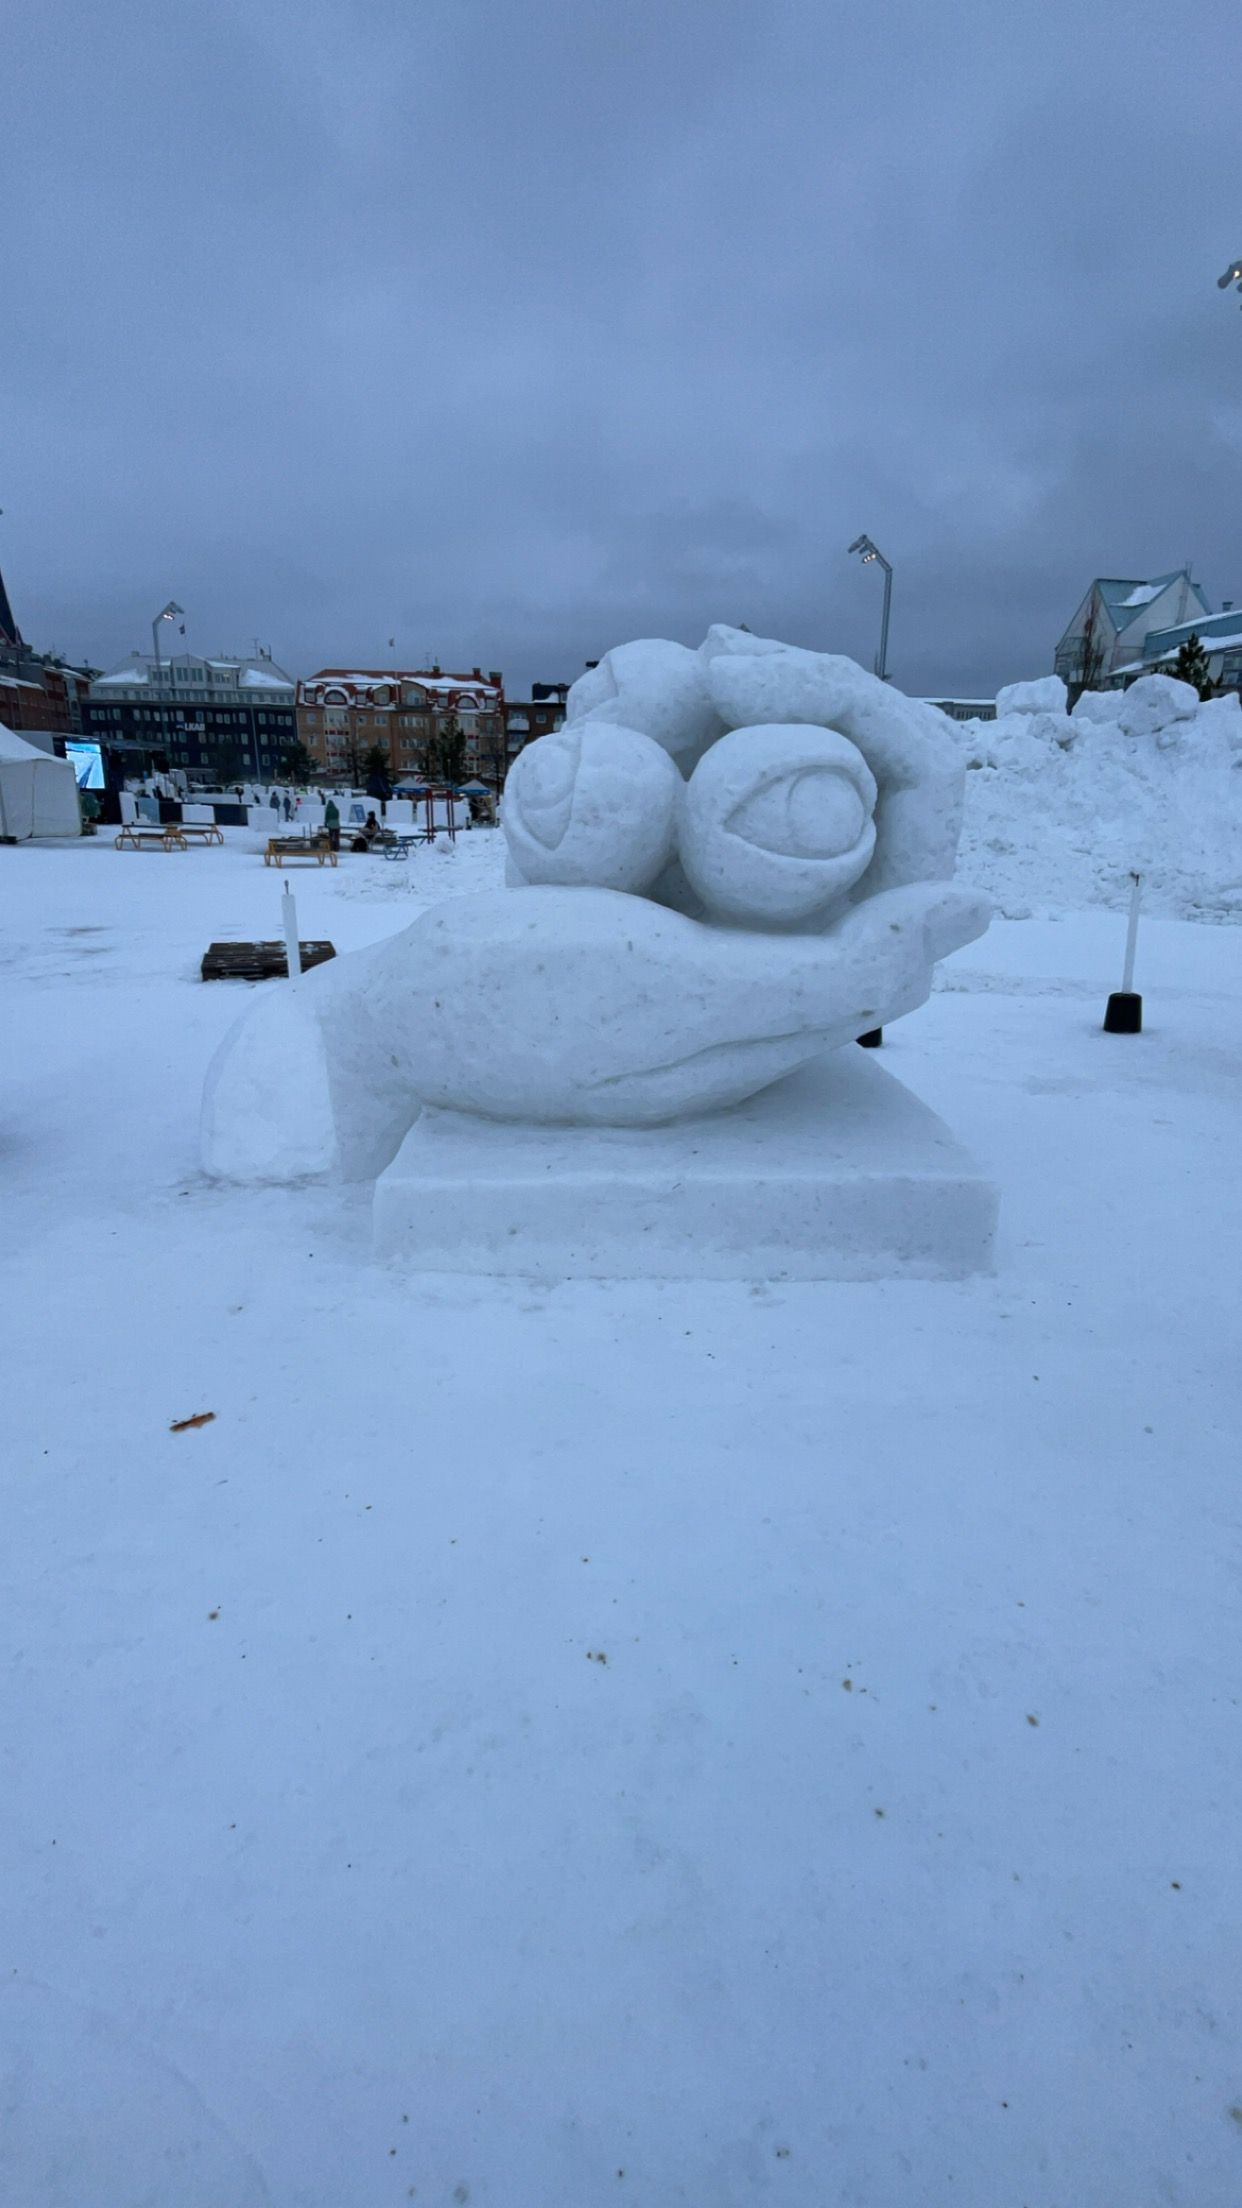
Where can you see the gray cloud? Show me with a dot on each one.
(515, 328)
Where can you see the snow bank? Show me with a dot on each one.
(1048, 695)
(1060, 808)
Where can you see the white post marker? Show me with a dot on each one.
(1124, 1015)
(289, 918)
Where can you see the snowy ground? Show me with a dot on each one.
(553, 1746)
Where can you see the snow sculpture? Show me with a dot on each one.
(594, 805)
(654, 686)
(727, 863)
(777, 824)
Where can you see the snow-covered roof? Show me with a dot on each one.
(1212, 643)
(15, 747)
(1207, 626)
(139, 672)
(132, 671)
(1127, 596)
(470, 689)
(19, 682)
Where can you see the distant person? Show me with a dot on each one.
(274, 802)
(366, 834)
(288, 806)
(332, 822)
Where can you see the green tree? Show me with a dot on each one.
(1191, 666)
(296, 763)
(447, 753)
(375, 764)
(1087, 661)
(227, 764)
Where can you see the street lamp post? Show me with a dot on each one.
(171, 612)
(1232, 275)
(869, 553)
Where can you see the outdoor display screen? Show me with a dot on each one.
(87, 763)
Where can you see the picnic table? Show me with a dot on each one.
(288, 850)
(397, 846)
(136, 836)
(202, 831)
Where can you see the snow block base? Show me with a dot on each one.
(835, 1173)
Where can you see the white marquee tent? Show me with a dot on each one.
(38, 794)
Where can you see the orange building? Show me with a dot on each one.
(346, 713)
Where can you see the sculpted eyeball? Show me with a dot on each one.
(776, 822)
(593, 806)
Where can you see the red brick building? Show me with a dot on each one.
(42, 701)
(537, 715)
(344, 713)
(37, 697)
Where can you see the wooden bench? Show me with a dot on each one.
(137, 837)
(202, 831)
(286, 850)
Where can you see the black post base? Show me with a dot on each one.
(1125, 1013)
(872, 1039)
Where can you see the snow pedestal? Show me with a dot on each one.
(835, 1173)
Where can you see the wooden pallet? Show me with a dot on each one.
(258, 961)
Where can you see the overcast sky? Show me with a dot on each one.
(514, 328)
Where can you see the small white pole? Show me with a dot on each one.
(1136, 898)
(289, 918)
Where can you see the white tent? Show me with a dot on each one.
(38, 794)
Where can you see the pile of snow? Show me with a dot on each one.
(1061, 807)
(1048, 695)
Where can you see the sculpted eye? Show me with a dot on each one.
(815, 813)
(776, 823)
